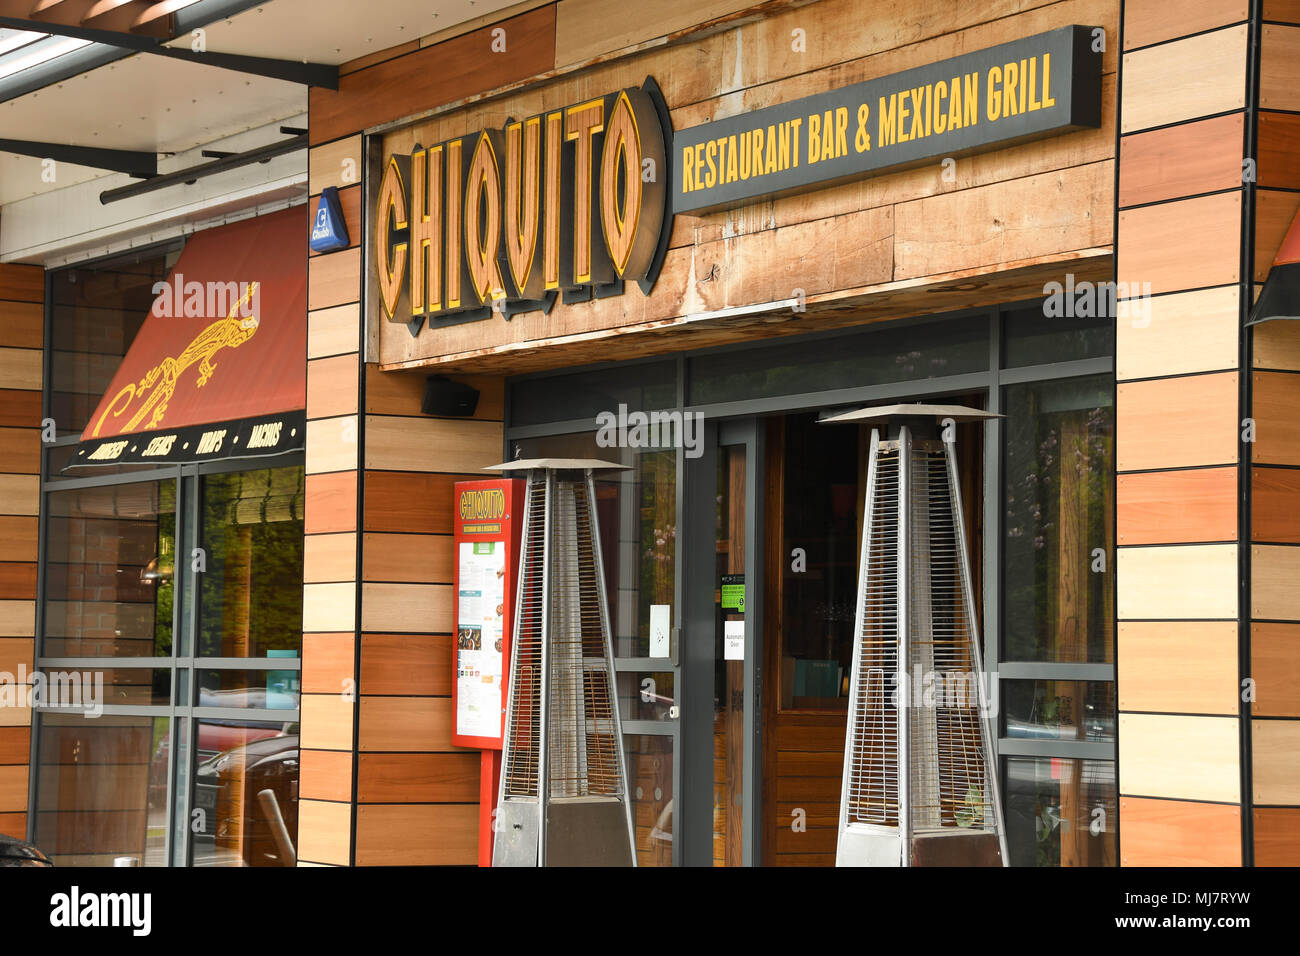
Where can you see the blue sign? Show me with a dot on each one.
(328, 230)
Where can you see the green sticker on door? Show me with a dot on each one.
(733, 592)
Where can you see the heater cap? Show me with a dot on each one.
(880, 413)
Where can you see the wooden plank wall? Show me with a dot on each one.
(22, 331)
(381, 783)
(1275, 466)
(904, 243)
(1181, 194)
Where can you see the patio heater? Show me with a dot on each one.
(920, 785)
(563, 797)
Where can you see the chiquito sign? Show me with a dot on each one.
(576, 200)
(570, 201)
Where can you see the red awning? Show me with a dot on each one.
(218, 369)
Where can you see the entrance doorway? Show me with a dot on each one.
(768, 636)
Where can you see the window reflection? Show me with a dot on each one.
(250, 593)
(103, 790)
(1058, 510)
(246, 794)
(110, 556)
(1060, 811)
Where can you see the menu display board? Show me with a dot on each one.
(487, 522)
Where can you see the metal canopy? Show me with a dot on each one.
(132, 162)
(559, 464)
(880, 413)
(309, 74)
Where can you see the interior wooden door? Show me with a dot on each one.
(815, 485)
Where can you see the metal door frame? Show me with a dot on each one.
(699, 560)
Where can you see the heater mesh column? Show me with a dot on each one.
(919, 786)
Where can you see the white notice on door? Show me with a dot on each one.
(659, 624)
(733, 640)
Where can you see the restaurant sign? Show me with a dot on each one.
(572, 201)
(1026, 89)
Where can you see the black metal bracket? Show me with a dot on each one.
(117, 160)
(194, 173)
(308, 74)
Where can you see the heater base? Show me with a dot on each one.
(956, 848)
(869, 846)
(587, 832)
(516, 834)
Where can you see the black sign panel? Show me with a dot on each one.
(1026, 89)
(243, 438)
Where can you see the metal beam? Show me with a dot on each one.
(118, 160)
(308, 74)
(204, 169)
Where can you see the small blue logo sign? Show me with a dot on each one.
(328, 230)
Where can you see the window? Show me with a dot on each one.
(170, 625)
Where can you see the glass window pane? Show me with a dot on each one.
(1030, 337)
(250, 593)
(1059, 709)
(646, 695)
(246, 794)
(97, 311)
(637, 510)
(102, 789)
(110, 556)
(1058, 509)
(640, 387)
(261, 690)
(877, 357)
(650, 777)
(1060, 811)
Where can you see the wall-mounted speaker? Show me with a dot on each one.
(442, 396)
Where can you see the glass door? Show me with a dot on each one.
(722, 649)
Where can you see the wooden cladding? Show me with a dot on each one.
(1169, 507)
(1149, 21)
(1177, 422)
(433, 76)
(1180, 161)
(1275, 667)
(22, 332)
(1199, 76)
(1204, 680)
(1277, 427)
(1179, 757)
(1181, 333)
(1279, 68)
(1179, 833)
(1181, 245)
(1177, 582)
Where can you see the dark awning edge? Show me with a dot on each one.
(258, 437)
(1280, 297)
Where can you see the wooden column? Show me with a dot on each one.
(22, 329)
(1182, 198)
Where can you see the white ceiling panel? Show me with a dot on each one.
(335, 31)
